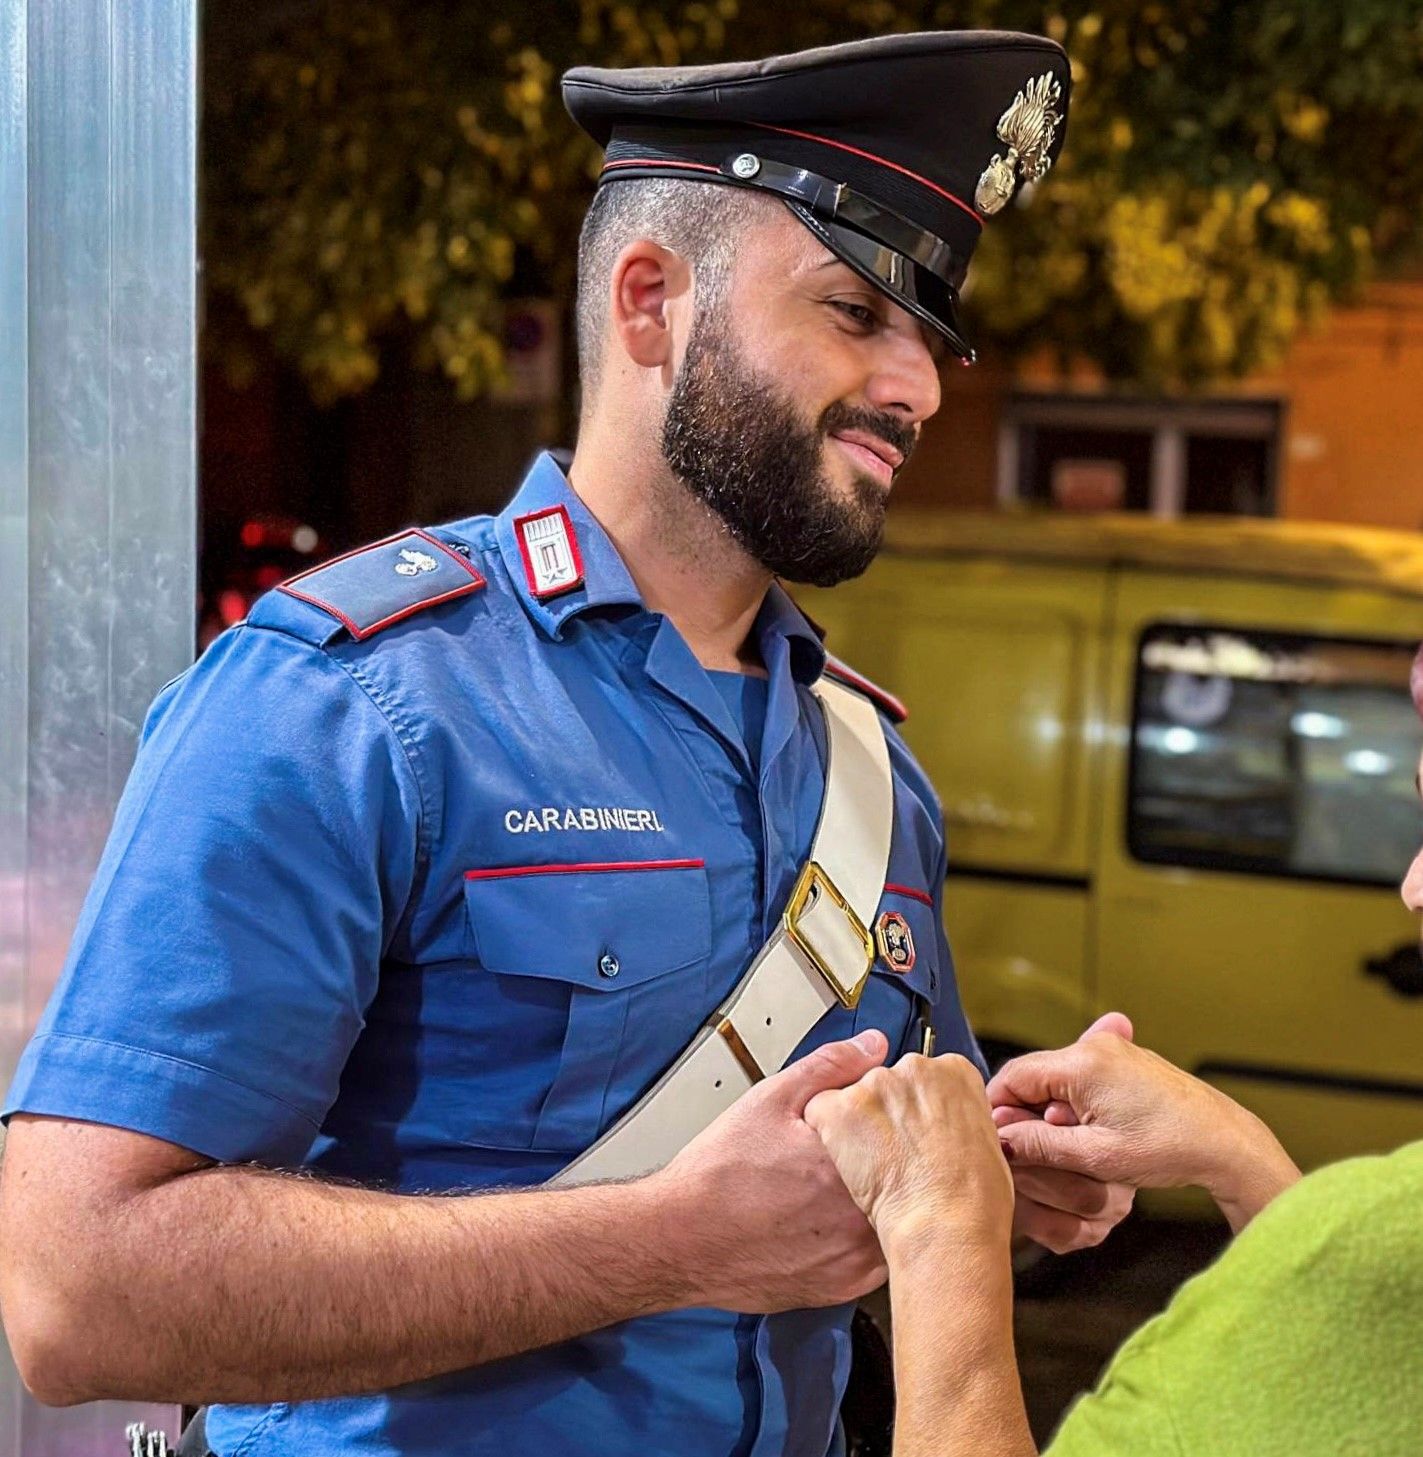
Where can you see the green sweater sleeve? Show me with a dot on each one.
(1303, 1340)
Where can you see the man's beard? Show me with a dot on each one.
(738, 444)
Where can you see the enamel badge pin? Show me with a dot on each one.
(1027, 128)
(895, 941)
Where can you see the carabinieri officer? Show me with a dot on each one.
(427, 873)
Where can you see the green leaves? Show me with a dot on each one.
(378, 174)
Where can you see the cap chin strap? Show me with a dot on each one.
(818, 958)
(916, 269)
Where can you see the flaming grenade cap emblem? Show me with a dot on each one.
(1027, 127)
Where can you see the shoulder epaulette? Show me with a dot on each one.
(376, 586)
(841, 673)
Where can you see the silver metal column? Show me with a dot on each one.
(98, 112)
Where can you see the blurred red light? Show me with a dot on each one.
(231, 606)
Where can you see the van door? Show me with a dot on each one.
(1259, 817)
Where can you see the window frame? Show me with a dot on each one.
(1242, 865)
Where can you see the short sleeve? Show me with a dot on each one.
(260, 860)
(1289, 1344)
(1128, 1415)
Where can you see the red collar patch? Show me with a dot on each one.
(548, 544)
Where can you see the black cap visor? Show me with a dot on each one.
(918, 271)
(915, 289)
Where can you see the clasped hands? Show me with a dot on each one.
(1054, 1151)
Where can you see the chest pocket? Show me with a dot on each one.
(599, 971)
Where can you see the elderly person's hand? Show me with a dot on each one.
(918, 1151)
(1113, 1111)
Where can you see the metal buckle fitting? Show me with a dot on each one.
(814, 882)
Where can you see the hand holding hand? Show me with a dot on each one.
(1117, 1112)
(1058, 1208)
(756, 1206)
(917, 1150)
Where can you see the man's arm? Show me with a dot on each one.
(130, 1268)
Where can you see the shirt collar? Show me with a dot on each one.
(607, 581)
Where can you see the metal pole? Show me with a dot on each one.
(98, 122)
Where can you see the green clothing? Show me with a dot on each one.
(1305, 1339)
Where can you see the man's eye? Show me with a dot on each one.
(866, 318)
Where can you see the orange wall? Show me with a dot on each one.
(1353, 426)
(1353, 447)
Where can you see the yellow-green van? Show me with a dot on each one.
(1177, 764)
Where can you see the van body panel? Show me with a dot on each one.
(1026, 946)
(1176, 765)
(1259, 980)
(1001, 668)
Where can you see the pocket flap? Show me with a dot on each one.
(604, 927)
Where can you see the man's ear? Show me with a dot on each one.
(647, 280)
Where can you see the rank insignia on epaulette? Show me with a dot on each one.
(549, 547)
(895, 942)
(378, 585)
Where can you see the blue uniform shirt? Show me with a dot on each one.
(352, 916)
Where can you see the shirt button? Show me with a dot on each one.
(608, 965)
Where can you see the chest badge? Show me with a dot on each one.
(895, 941)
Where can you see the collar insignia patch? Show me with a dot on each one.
(549, 547)
(895, 941)
(1028, 128)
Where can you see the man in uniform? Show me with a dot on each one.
(427, 872)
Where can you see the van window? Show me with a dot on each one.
(1274, 754)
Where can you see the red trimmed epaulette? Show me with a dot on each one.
(375, 586)
(842, 673)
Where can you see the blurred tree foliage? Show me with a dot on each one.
(388, 171)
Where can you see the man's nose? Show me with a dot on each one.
(1412, 889)
(907, 382)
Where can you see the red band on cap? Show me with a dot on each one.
(870, 157)
(662, 162)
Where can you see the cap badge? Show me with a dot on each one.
(895, 941)
(412, 563)
(1028, 128)
(552, 561)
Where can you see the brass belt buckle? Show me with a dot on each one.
(812, 884)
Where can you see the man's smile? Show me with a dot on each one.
(870, 453)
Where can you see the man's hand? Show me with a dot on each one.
(918, 1151)
(755, 1203)
(1112, 1111)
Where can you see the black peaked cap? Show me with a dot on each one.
(894, 151)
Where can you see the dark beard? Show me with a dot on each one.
(738, 444)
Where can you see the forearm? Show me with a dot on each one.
(233, 1284)
(956, 1375)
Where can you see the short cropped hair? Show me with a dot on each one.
(699, 221)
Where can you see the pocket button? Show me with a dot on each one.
(608, 965)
